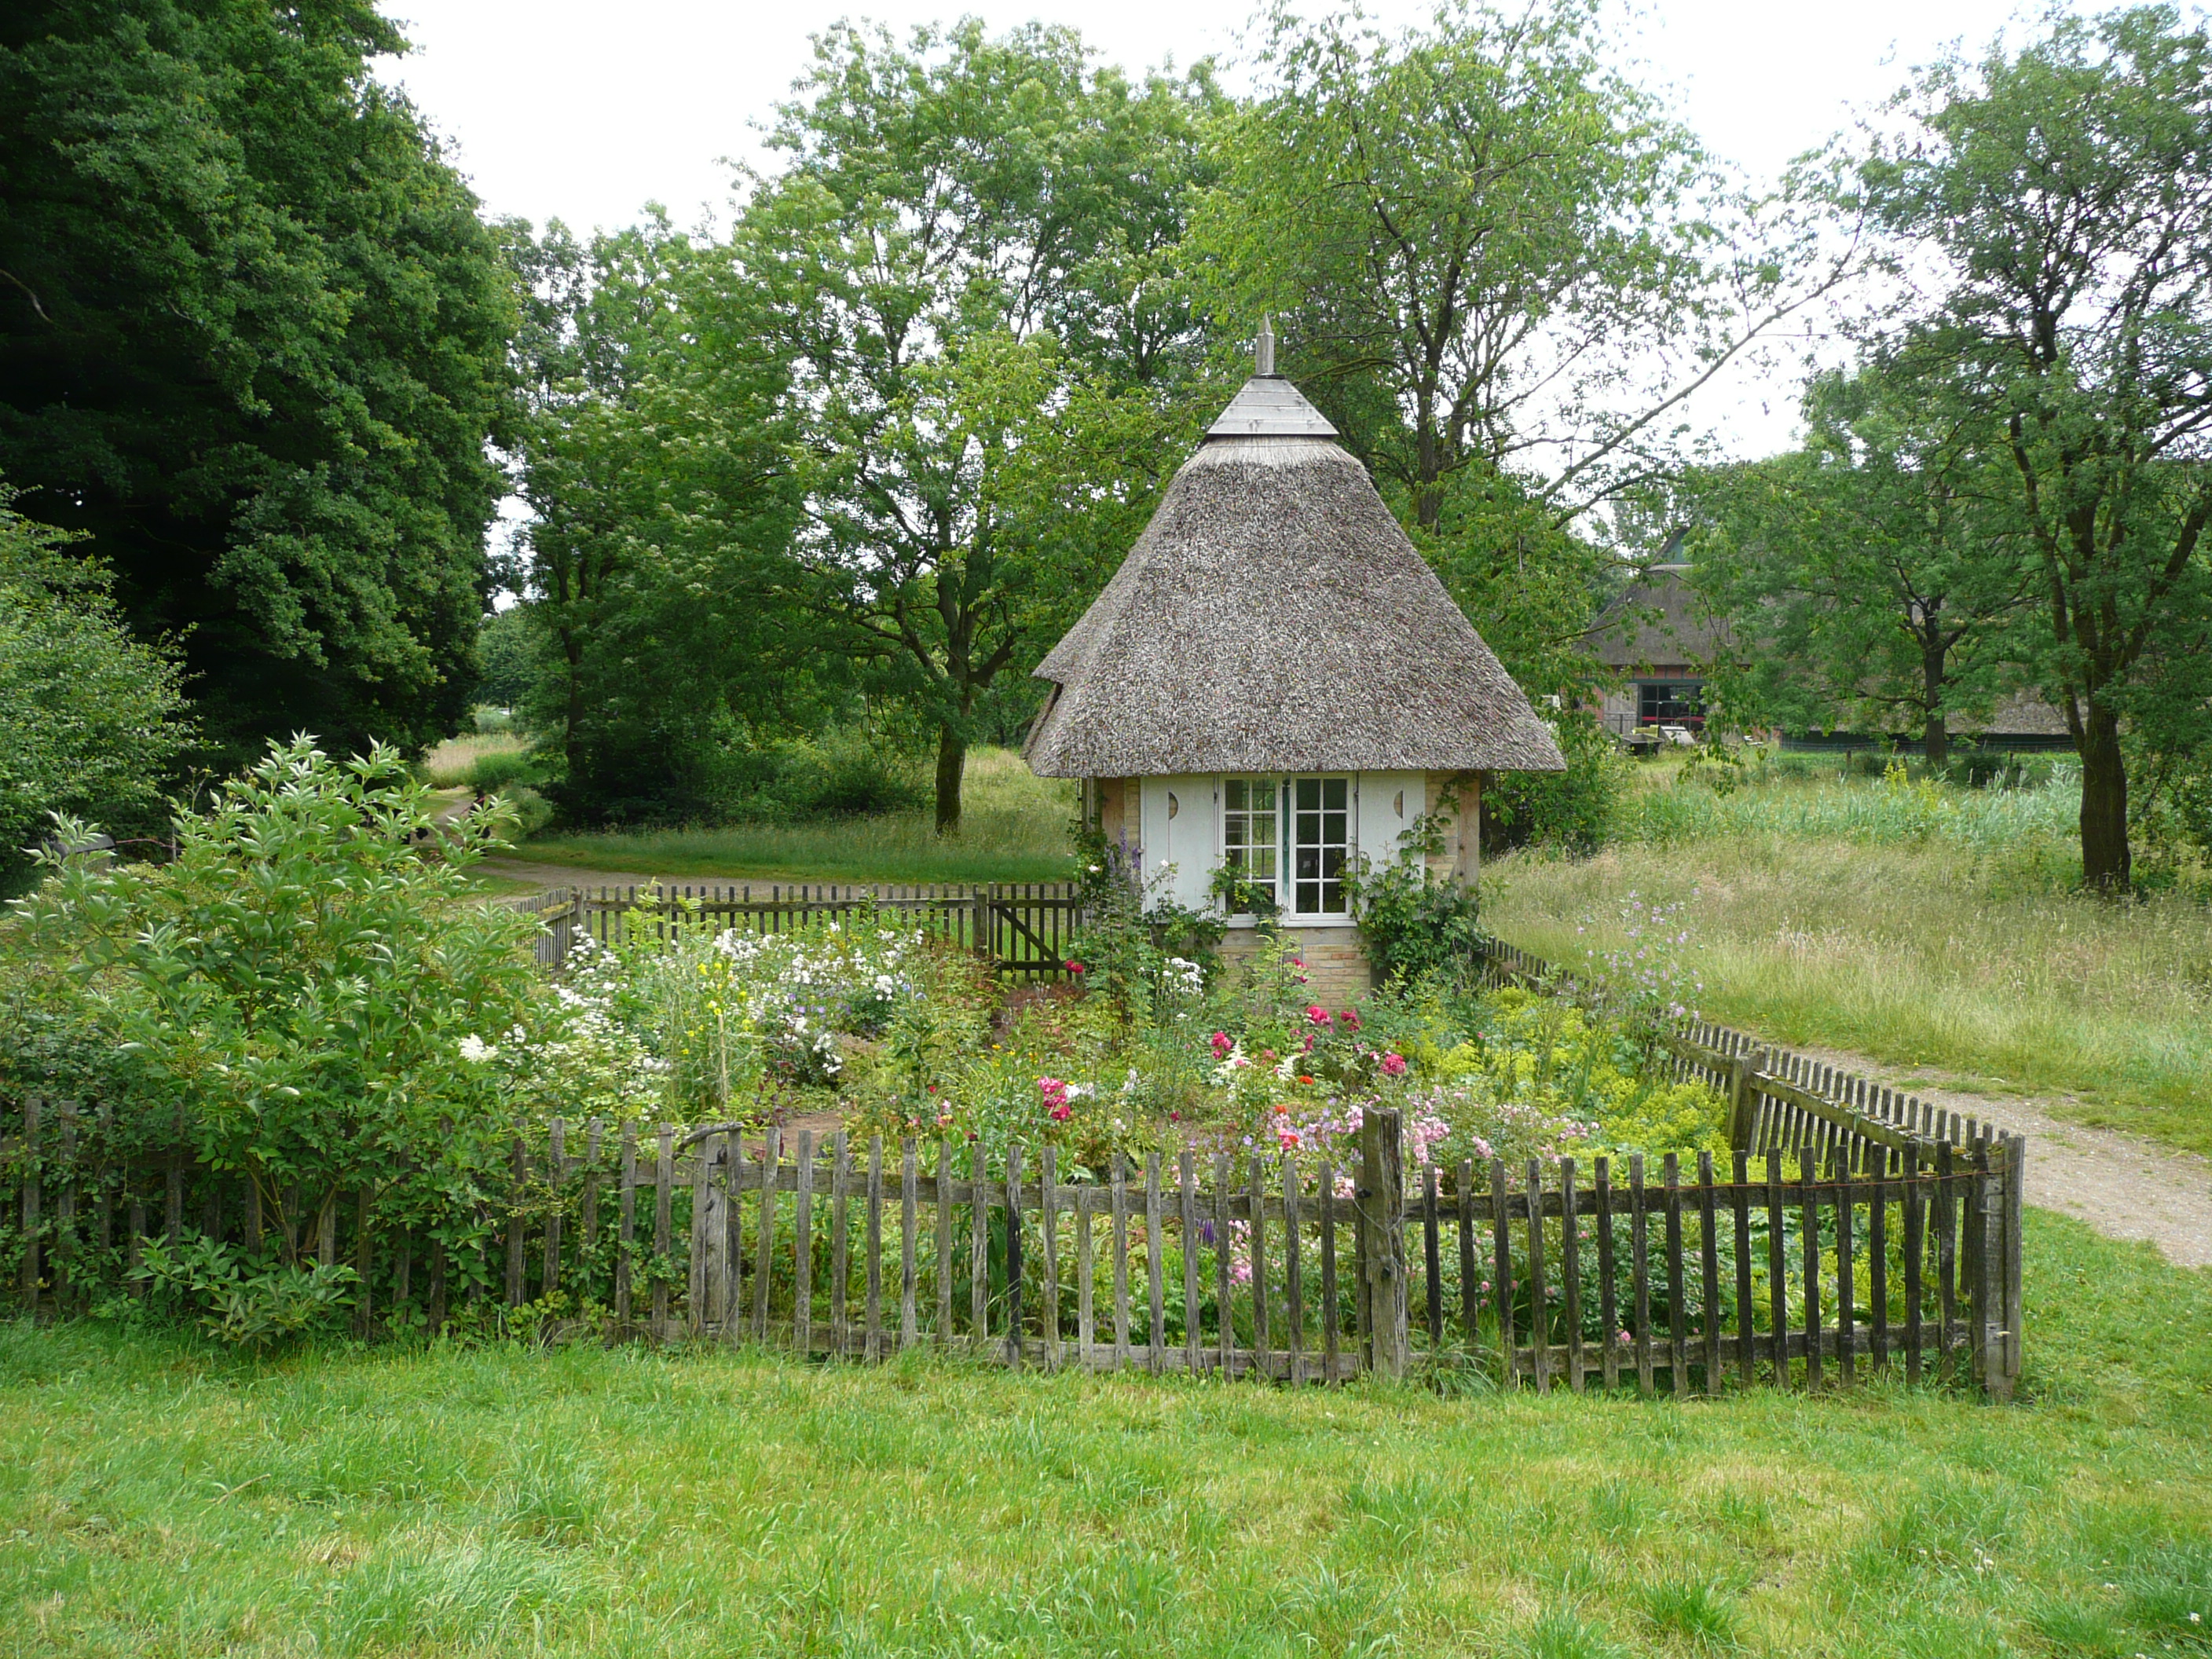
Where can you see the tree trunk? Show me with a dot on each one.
(2106, 861)
(1937, 741)
(1936, 737)
(951, 763)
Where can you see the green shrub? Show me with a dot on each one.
(1413, 923)
(302, 982)
(1571, 811)
(251, 1303)
(846, 772)
(500, 768)
(532, 812)
(91, 719)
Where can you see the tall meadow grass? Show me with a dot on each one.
(451, 763)
(1923, 926)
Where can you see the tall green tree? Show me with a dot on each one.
(655, 461)
(1487, 229)
(91, 720)
(970, 258)
(2056, 205)
(1873, 578)
(253, 344)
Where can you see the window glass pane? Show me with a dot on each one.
(1320, 843)
(1249, 829)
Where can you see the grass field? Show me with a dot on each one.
(160, 1499)
(450, 763)
(1925, 927)
(1013, 827)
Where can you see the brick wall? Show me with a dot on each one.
(1337, 970)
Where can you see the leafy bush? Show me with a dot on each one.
(1571, 811)
(91, 720)
(299, 979)
(532, 812)
(497, 769)
(723, 772)
(1413, 923)
(251, 1303)
(1137, 948)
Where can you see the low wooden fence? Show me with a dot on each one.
(1624, 1275)
(1850, 1230)
(1862, 1131)
(1024, 927)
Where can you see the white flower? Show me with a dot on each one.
(476, 1050)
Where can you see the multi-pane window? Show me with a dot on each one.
(1248, 841)
(1673, 702)
(1321, 823)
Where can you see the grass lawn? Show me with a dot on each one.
(1013, 827)
(1924, 929)
(164, 1499)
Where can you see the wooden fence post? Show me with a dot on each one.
(1382, 1201)
(31, 1194)
(2016, 1195)
(1990, 1333)
(1741, 1117)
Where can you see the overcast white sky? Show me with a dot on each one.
(586, 110)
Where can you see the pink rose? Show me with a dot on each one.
(1317, 1014)
(1393, 1066)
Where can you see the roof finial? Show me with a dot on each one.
(1263, 348)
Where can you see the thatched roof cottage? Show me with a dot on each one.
(1275, 681)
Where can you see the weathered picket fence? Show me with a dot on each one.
(1547, 1275)
(1883, 1147)
(1024, 928)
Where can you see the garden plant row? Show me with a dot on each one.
(1883, 1245)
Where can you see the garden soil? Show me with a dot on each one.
(2122, 1185)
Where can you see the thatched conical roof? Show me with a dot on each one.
(1275, 618)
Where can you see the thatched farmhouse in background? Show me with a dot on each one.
(1660, 640)
(1276, 684)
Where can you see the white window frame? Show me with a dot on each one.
(1350, 845)
(1274, 787)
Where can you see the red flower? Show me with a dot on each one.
(1349, 1019)
(1072, 967)
(1317, 1014)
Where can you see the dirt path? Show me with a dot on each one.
(573, 875)
(2122, 1185)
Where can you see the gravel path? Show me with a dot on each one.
(2122, 1185)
